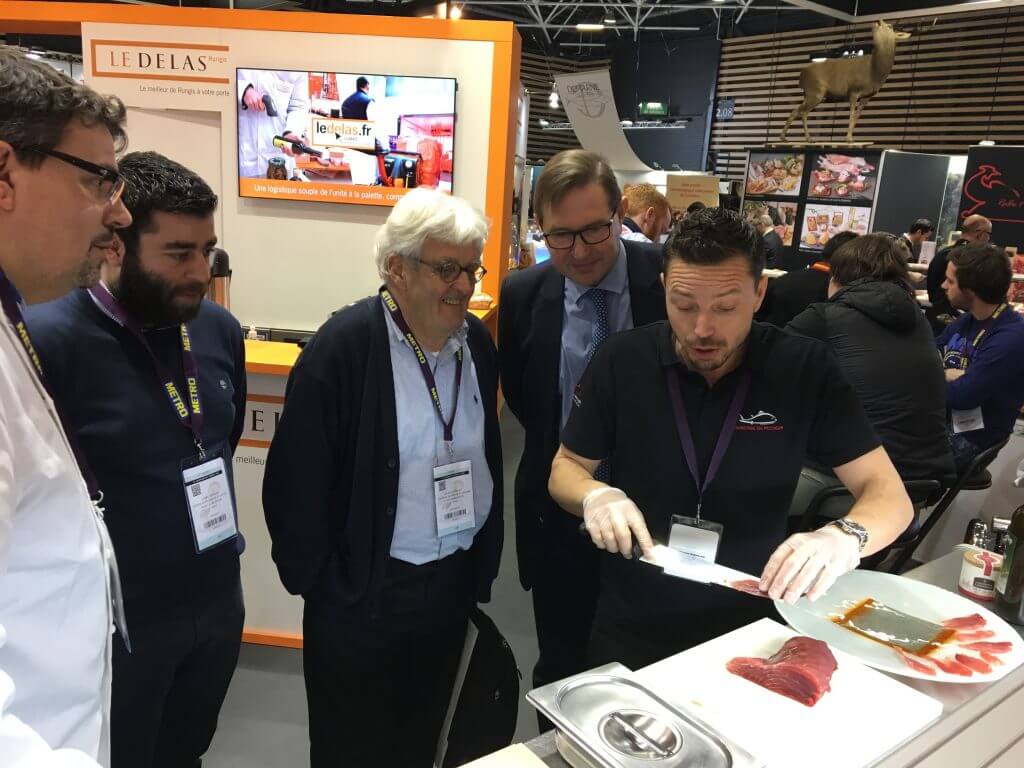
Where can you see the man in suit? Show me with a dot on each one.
(773, 248)
(552, 318)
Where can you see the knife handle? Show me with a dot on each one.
(637, 552)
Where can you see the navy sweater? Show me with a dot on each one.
(135, 442)
(995, 376)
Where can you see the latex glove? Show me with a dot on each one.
(612, 520)
(810, 563)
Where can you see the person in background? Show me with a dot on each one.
(920, 231)
(789, 295)
(886, 351)
(976, 229)
(647, 213)
(383, 490)
(356, 106)
(60, 206)
(551, 321)
(271, 103)
(695, 206)
(707, 417)
(982, 351)
(773, 248)
(147, 339)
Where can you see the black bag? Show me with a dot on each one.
(486, 704)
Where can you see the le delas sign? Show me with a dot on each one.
(994, 188)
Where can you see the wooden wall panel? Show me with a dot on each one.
(537, 73)
(957, 80)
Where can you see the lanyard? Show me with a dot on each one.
(428, 375)
(686, 436)
(10, 299)
(971, 347)
(190, 414)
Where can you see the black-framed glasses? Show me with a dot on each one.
(111, 183)
(449, 271)
(563, 240)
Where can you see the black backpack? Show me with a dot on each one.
(486, 696)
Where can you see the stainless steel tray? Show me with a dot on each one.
(612, 721)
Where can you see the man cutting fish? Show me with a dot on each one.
(704, 421)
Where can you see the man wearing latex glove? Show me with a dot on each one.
(704, 421)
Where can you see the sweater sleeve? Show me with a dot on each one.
(301, 470)
(990, 372)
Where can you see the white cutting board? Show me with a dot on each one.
(864, 716)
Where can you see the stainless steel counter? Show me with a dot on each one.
(981, 726)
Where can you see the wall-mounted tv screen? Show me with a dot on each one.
(343, 137)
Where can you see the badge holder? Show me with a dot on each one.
(211, 506)
(453, 497)
(695, 537)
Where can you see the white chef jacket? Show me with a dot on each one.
(256, 130)
(55, 609)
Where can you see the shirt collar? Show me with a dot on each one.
(756, 353)
(616, 281)
(453, 345)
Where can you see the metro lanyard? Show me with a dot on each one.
(190, 414)
(673, 378)
(970, 348)
(428, 375)
(10, 300)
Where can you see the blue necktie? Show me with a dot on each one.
(598, 298)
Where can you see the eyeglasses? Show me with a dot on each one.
(449, 271)
(111, 183)
(563, 240)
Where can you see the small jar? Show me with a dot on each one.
(978, 575)
(277, 169)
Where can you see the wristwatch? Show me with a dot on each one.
(854, 529)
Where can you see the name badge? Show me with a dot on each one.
(210, 506)
(695, 538)
(968, 421)
(453, 497)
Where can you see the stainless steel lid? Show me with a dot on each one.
(615, 722)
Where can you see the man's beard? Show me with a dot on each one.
(149, 299)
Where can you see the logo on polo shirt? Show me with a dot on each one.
(762, 421)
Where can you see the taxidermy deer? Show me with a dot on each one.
(854, 79)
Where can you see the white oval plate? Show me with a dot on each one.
(912, 597)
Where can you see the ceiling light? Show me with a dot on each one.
(817, 59)
(609, 21)
(589, 27)
(544, 123)
(33, 55)
(582, 45)
(455, 13)
(987, 143)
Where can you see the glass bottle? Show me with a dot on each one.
(1010, 581)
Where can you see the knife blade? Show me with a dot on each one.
(674, 563)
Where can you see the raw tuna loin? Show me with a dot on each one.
(800, 670)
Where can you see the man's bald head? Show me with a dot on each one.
(977, 229)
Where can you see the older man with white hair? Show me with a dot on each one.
(383, 490)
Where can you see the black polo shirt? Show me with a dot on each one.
(798, 404)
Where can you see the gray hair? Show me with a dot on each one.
(427, 213)
(765, 221)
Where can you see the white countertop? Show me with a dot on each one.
(980, 725)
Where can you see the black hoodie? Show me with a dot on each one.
(887, 352)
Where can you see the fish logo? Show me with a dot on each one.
(759, 419)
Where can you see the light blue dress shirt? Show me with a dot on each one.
(421, 446)
(578, 325)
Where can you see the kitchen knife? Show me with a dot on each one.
(678, 565)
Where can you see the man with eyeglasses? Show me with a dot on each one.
(383, 490)
(59, 208)
(151, 376)
(551, 320)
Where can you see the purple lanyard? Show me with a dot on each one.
(10, 300)
(428, 375)
(191, 413)
(675, 384)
